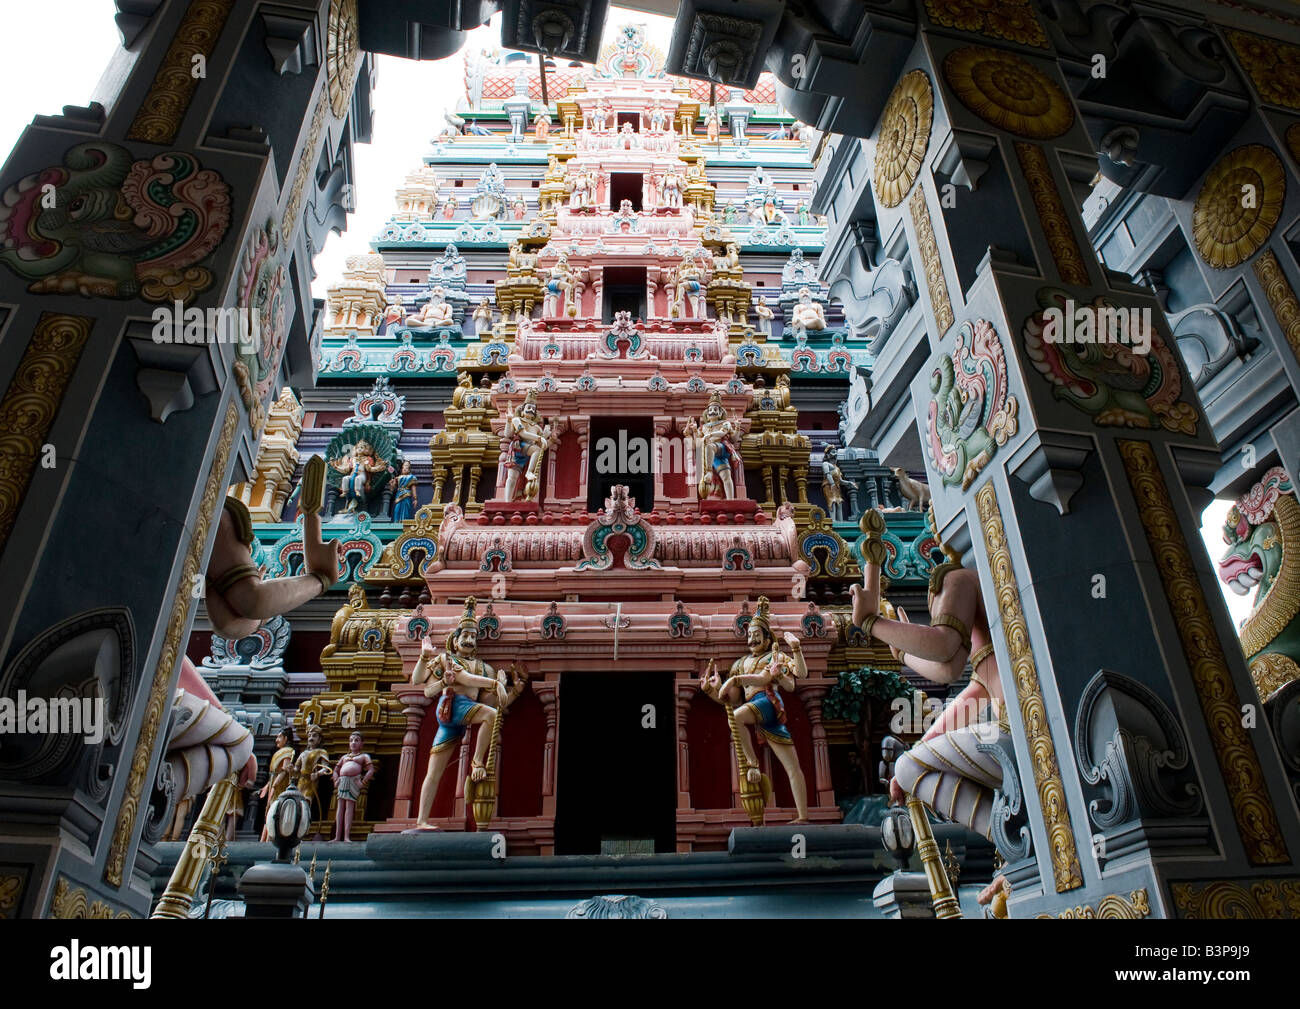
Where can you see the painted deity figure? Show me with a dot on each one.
(559, 288)
(312, 764)
(393, 315)
(356, 468)
(946, 770)
(689, 287)
(833, 484)
(600, 116)
(751, 689)
(449, 208)
(530, 436)
(351, 776)
(458, 678)
(404, 493)
(542, 126)
(279, 771)
(765, 316)
(806, 313)
(658, 118)
(519, 208)
(717, 439)
(712, 124)
(436, 313)
(672, 191)
(483, 311)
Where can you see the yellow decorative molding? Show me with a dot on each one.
(1272, 66)
(1238, 206)
(72, 902)
(1008, 92)
(1238, 899)
(935, 281)
(1243, 777)
(1135, 905)
(1012, 20)
(30, 403)
(1033, 709)
(160, 115)
(11, 893)
(1051, 213)
(903, 137)
(306, 159)
(1281, 299)
(177, 621)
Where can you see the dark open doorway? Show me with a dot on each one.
(621, 452)
(624, 186)
(624, 291)
(616, 778)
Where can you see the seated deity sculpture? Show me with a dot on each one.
(436, 313)
(946, 769)
(357, 465)
(751, 697)
(806, 313)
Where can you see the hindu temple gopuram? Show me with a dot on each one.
(757, 470)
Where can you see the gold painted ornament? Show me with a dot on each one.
(1008, 92)
(341, 54)
(1012, 20)
(1238, 206)
(903, 138)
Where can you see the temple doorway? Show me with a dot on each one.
(616, 771)
(622, 452)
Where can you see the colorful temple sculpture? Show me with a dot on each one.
(778, 455)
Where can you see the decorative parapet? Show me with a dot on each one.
(356, 303)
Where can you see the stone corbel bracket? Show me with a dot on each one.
(1049, 463)
(171, 375)
(291, 41)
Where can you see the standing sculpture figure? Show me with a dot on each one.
(716, 437)
(351, 776)
(456, 676)
(542, 126)
(530, 436)
(280, 771)
(689, 287)
(483, 311)
(312, 764)
(833, 484)
(712, 124)
(404, 494)
(559, 286)
(754, 679)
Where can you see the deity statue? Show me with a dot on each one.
(559, 288)
(356, 466)
(803, 213)
(393, 315)
(456, 676)
(753, 680)
(518, 208)
(772, 214)
(627, 137)
(672, 190)
(351, 776)
(833, 484)
(404, 493)
(730, 263)
(312, 764)
(542, 126)
(436, 313)
(717, 440)
(806, 313)
(600, 116)
(279, 771)
(946, 770)
(712, 124)
(658, 118)
(765, 316)
(483, 312)
(688, 287)
(449, 208)
(530, 436)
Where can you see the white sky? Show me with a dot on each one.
(39, 78)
